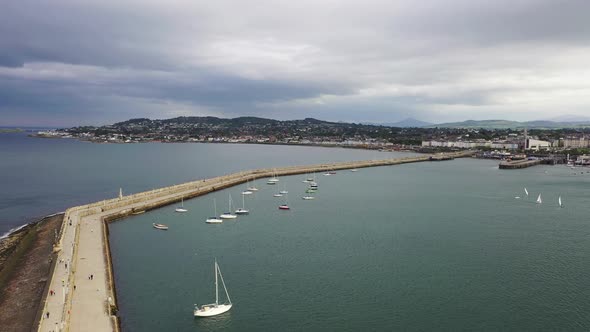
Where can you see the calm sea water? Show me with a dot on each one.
(429, 246)
(43, 176)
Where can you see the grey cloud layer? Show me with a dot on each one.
(102, 61)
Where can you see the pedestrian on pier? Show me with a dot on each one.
(47, 314)
(91, 277)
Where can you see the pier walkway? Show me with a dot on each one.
(82, 282)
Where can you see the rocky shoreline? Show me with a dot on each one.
(26, 261)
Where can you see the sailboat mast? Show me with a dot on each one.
(216, 288)
(224, 288)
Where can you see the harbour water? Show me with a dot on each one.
(44, 176)
(427, 246)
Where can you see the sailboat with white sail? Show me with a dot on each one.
(559, 202)
(539, 199)
(228, 214)
(181, 208)
(526, 192)
(214, 309)
(214, 219)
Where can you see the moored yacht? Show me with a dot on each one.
(243, 209)
(228, 215)
(213, 309)
(215, 219)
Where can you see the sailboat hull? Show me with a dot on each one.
(209, 310)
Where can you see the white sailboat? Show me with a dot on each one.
(526, 192)
(243, 209)
(559, 201)
(247, 191)
(274, 179)
(252, 187)
(181, 207)
(214, 220)
(539, 200)
(228, 214)
(284, 191)
(213, 309)
(278, 194)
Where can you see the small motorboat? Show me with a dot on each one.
(307, 198)
(284, 207)
(160, 226)
(247, 192)
(278, 195)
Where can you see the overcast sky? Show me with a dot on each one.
(70, 62)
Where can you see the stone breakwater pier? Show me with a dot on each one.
(81, 294)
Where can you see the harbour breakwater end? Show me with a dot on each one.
(519, 164)
(82, 283)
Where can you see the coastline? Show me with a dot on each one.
(385, 148)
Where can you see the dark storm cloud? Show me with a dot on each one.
(105, 61)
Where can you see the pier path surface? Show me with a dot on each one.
(82, 283)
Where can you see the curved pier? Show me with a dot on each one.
(84, 293)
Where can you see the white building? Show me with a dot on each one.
(536, 145)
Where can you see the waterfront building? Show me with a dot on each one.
(536, 145)
(576, 142)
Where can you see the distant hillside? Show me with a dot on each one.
(409, 123)
(505, 124)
